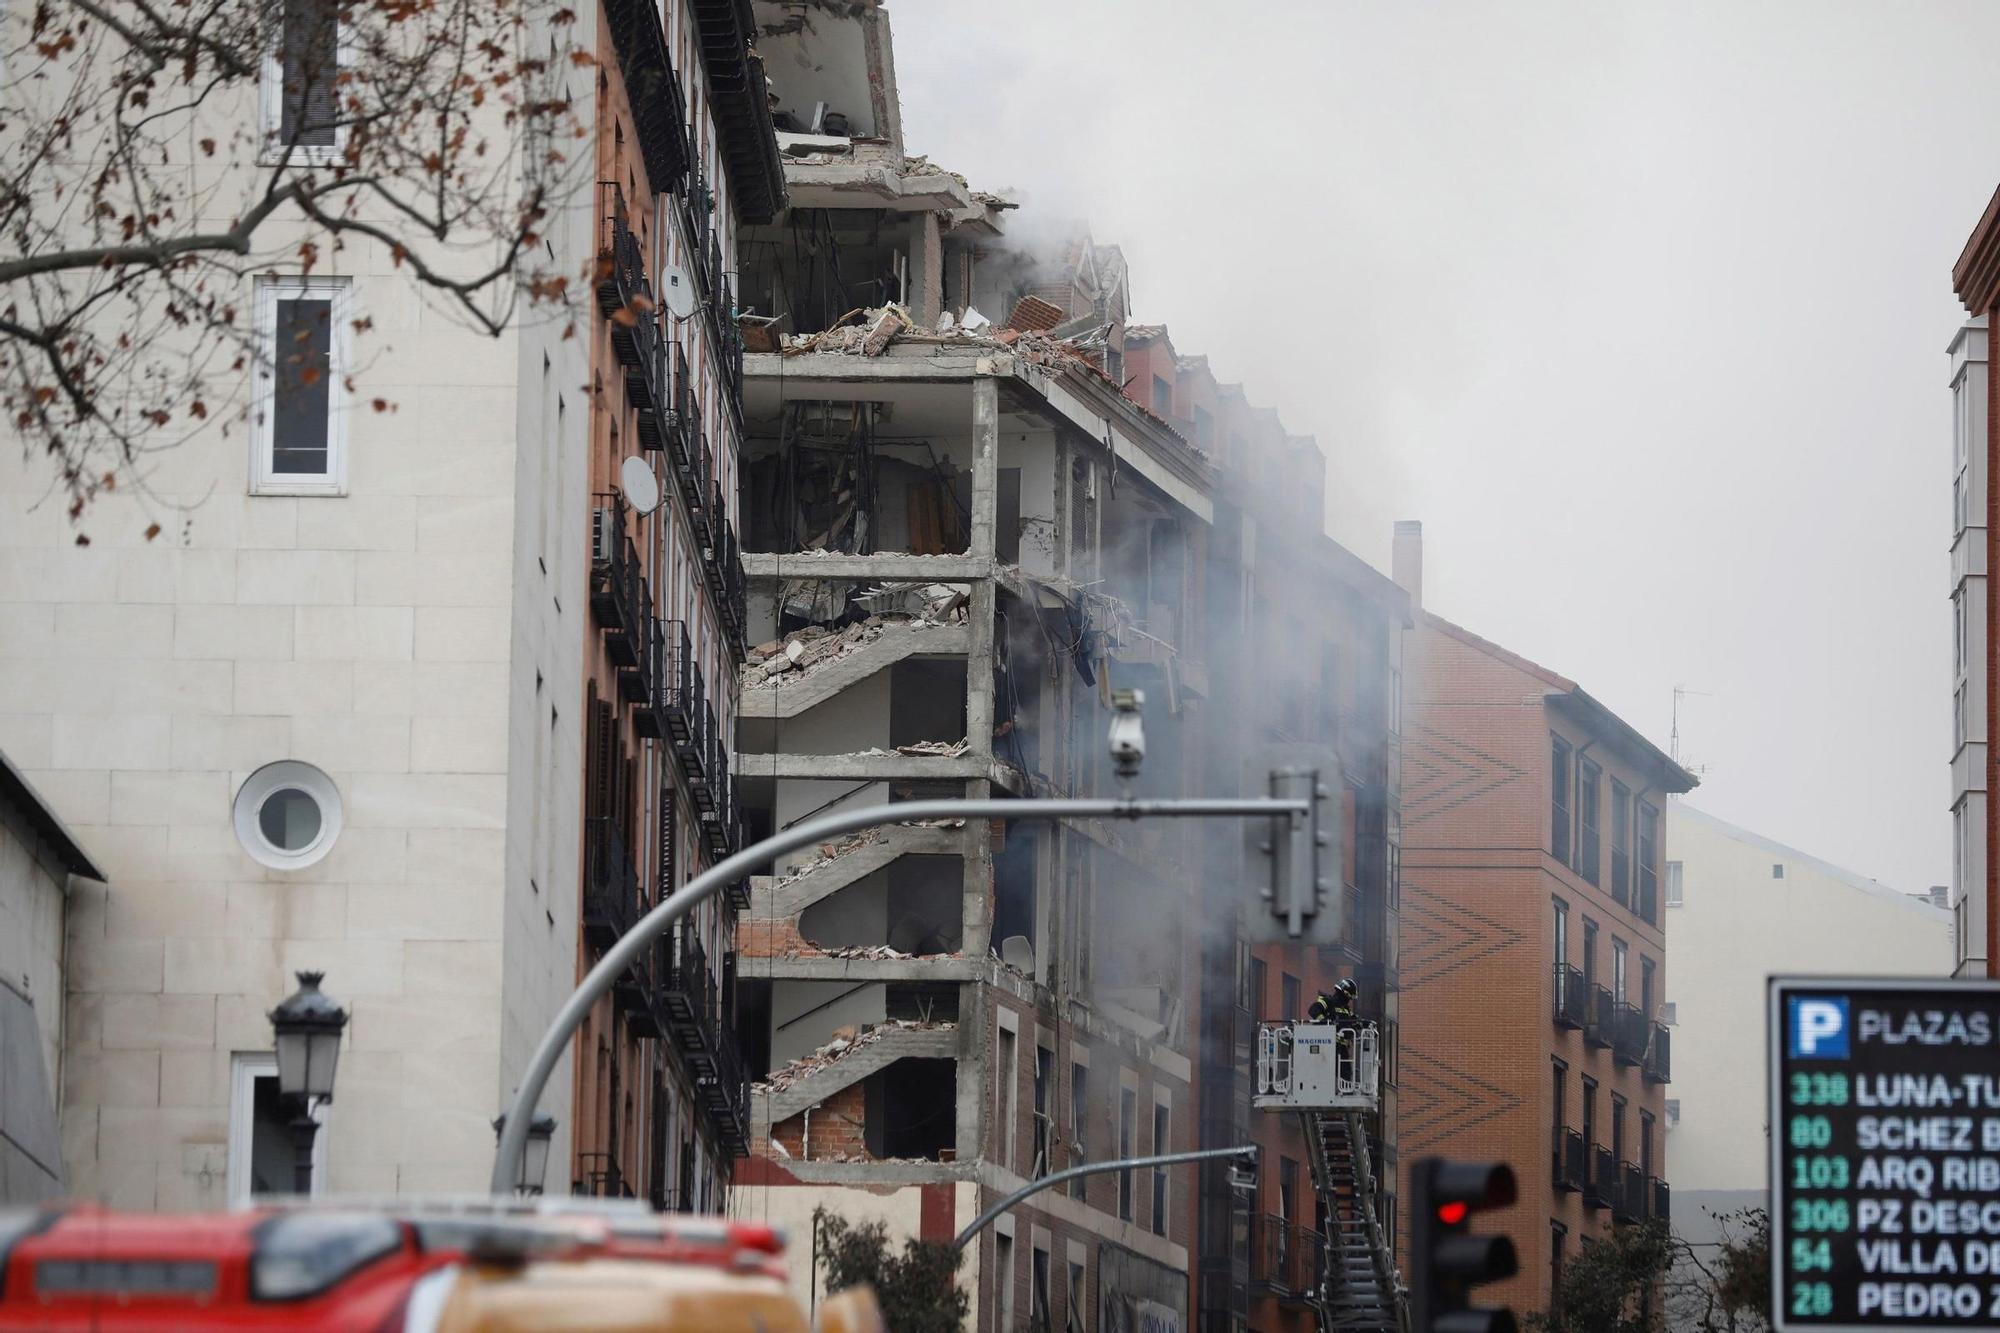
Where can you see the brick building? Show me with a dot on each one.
(1285, 670)
(684, 152)
(1534, 956)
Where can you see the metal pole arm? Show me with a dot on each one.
(1247, 1150)
(621, 955)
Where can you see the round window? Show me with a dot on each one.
(287, 814)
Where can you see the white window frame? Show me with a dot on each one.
(1676, 883)
(245, 1068)
(263, 399)
(271, 104)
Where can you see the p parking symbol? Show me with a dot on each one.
(1818, 1028)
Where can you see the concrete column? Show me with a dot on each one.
(926, 269)
(985, 470)
(979, 668)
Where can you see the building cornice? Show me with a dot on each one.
(1976, 275)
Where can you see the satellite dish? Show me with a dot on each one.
(677, 292)
(642, 488)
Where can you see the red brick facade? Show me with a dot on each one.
(1484, 876)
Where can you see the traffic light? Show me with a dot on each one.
(1446, 1259)
(1303, 859)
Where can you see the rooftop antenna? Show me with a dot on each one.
(1674, 741)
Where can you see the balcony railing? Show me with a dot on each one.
(1628, 1033)
(1598, 1018)
(1659, 1067)
(610, 884)
(619, 597)
(1566, 1160)
(701, 775)
(1629, 1204)
(625, 297)
(1660, 1205)
(1286, 1259)
(687, 444)
(692, 721)
(659, 113)
(1570, 997)
(1600, 1187)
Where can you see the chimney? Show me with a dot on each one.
(1406, 562)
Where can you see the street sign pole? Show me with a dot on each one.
(621, 955)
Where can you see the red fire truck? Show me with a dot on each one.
(398, 1267)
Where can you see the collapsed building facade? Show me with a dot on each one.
(960, 540)
(977, 501)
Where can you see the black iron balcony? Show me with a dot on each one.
(1628, 1033)
(687, 997)
(1661, 1204)
(687, 444)
(610, 884)
(1598, 1019)
(657, 395)
(1659, 1067)
(1286, 1259)
(653, 91)
(690, 720)
(619, 597)
(1570, 997)
(1567, 1158)
(625, 297)
(635, 994)
(700, 775)
(725, 1094)
(720, 828)
(1601, 1185)
(1629, 1203)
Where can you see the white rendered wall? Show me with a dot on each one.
(1737, 925)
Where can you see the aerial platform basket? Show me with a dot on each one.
(1318, 1066)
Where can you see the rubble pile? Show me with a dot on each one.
(846, 1041)
(782, 660)
(829, 852)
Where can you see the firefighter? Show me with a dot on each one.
(1337, 1008)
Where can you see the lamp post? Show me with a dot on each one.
(535, 1159)
(307, 1028)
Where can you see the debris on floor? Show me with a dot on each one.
(790, 658)
(845, 1042)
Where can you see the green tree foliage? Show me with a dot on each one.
(1613, 1286)
(918, 1289)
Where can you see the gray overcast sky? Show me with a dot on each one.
(1641, 309)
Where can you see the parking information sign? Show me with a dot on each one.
(1885, 1154)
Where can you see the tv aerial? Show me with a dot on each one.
(641, 487)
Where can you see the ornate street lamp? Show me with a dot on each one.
(535, 1159)
(307, 1027)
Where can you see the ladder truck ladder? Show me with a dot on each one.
(1329, 1076)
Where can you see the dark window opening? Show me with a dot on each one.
(1586, 819)
(1559, 818)
(926, 701)
(1014, 892)
(912, 1109)
(307, 114)
(302, 362)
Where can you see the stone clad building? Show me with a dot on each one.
(417, 698)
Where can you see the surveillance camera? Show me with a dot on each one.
(1128, 732)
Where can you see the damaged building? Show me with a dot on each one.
(960, 538)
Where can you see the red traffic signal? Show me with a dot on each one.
(1446, 1259)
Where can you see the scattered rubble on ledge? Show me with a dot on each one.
(792, 657)
(846, 1041)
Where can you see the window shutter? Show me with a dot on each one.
(667, 837)
(597, 776)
